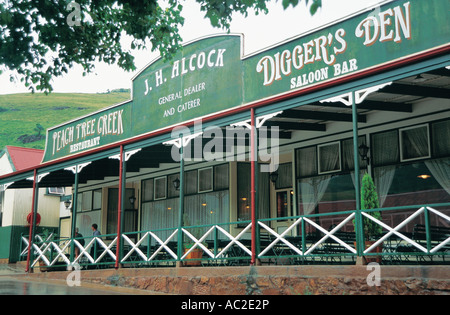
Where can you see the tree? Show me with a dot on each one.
(41, 40)
(369, 200)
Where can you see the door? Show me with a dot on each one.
(129, 217)
(284, 203)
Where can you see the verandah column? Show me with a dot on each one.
(33, 219)
(122, 183)
(181, 205)
(253, 184)
(76, 169)
(358, 219)
(74, 214)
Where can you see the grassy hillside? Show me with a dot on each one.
(24, 118)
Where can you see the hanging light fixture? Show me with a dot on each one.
(67, 204)
(176, 184)
(132, 200)
(419, 79)
(363, 150)
(274, 177)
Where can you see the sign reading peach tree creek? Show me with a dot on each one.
(211, 76)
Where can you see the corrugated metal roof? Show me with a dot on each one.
(23, 158)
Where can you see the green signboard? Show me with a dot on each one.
(204, 78)
(210, 76)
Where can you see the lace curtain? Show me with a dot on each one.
(440, 169)
(312, 190)
(415, 143)
(385, 151)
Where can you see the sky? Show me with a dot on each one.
(260, 32)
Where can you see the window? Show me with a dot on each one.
(221, 177)
(441, 138)
(414, 143)
(171, 190)
(89, 200)
(191, 182)
(329, 157)
(403, 171)
(205, 179)
(147, 190)
(59, 191)
(348, 159)
(306, 161)
(284, 179)
(86, 201)
(97, 199)
(244, 196)
(385, 148)
(160, 188)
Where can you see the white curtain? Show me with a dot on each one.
(385, 151)
(383, 181)
(385, 148)
(415, 142)
(440, 169)
(329, 157)
(312, 190)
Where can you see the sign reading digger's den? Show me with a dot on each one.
(210, 76)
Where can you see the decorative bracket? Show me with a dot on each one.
(128, 154)
(77, 168)
(259, 121)
(183, 141)
(39, 177)
(360, 95)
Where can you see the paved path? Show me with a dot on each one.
(14, 286)
(13, 281)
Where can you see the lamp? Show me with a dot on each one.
(176, 183)
(67, 204)
(363, 151)
(419, 79)
(132, 200)
(274, 177)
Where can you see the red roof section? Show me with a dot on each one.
(24, 158)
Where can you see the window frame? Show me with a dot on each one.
(400, 139)
(155, 185)
(319, 171)
(211, 185)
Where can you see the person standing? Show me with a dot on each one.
(95, 233)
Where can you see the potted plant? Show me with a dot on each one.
(369, 200)
(197, 252)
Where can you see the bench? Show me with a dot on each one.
(437, 234)
(332, 247)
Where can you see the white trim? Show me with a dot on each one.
(319, 172)
(400, 130)
(165, 188)
(212, 179)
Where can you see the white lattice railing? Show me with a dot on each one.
(407, 240)
(56, 251)
(146, 238)
(233, 240)
(99, 247)
(295, 240)
(296, 248)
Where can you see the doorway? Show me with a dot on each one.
(130, 214)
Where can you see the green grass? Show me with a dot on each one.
(20, 113)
